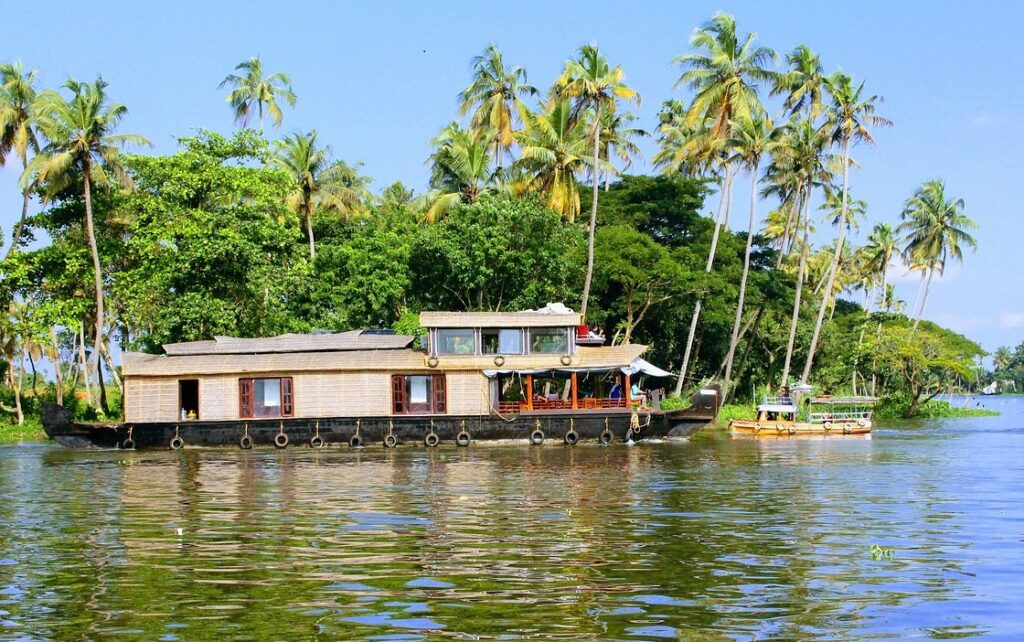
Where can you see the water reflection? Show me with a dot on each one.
(713, 539)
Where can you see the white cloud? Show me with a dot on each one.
(1011, 320)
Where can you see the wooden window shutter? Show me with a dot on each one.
(398, 394)
(287, 399)
(440, 394)
(245, 397)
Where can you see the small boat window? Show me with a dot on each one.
(418, 394)
(549, 340)
(507, 341)
(266, 398)
(456, 341)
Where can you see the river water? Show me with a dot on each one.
(714, 539)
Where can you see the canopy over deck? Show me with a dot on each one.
(844, 401)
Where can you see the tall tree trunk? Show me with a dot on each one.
(57, 374)
(726, 188)
(309, 230)
(26, 198)
(924, 301)
(801, 271)
(84, 367)
(832, 269)
(750, 342)
(593, 215)
(90, 231)
(104, 405)
(743, 283)
(917, 296)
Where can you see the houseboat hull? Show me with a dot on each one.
(621, 426)
(769, 428)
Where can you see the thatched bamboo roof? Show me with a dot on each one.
(352, 340)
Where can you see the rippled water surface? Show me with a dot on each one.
(713, 539)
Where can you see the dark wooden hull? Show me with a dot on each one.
(338, 431)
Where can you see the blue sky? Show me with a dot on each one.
(379, 79)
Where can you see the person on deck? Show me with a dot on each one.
(638, 395)
(616, 391)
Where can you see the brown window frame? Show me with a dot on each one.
(438, 395)
(245, 397)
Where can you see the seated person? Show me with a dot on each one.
(616, 391)
(638, 395)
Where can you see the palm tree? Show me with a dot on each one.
(597, 88)
(252, 91)
(849, 120)
(723, 73)
(18, 129)
(935, 229)
(802, 83)
(751, 138)
(554, 153)
(1002, 358)
(881, 247)
(81, 145)
(494, 99)
(317, 183)
(617, 137)
(460, 171)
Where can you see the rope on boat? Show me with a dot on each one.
(494, 411)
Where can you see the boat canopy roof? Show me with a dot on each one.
(776, 407)
(844, 401)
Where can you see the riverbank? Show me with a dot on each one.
(31, 430)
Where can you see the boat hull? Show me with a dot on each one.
(407, 430)
(752, 428)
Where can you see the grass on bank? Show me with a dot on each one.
(31, 430)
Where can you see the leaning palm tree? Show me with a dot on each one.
(751, 139)
(251, 91)
(554, 153)
(596, 88)
(494, 98)
(723, 73)
(18, 129)
(849, 120)
(935, 229)
(81, 145)
(317, 184)
(460, 171)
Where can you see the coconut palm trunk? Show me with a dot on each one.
(26, 199)
(90, 232)
(726, 189)
(800, 275)
(307, 210)
(924, 300)
(593, 214)
(743, 284)
(833, 268)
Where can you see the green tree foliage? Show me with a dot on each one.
(500, 253)
(209, 244)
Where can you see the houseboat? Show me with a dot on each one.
(805, 414)
(535, 375)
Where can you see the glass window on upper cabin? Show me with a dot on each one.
(505, 341)
(456, 341)
(549, 340)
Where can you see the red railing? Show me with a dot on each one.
(588, 403)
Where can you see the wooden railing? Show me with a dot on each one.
(587, 403)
